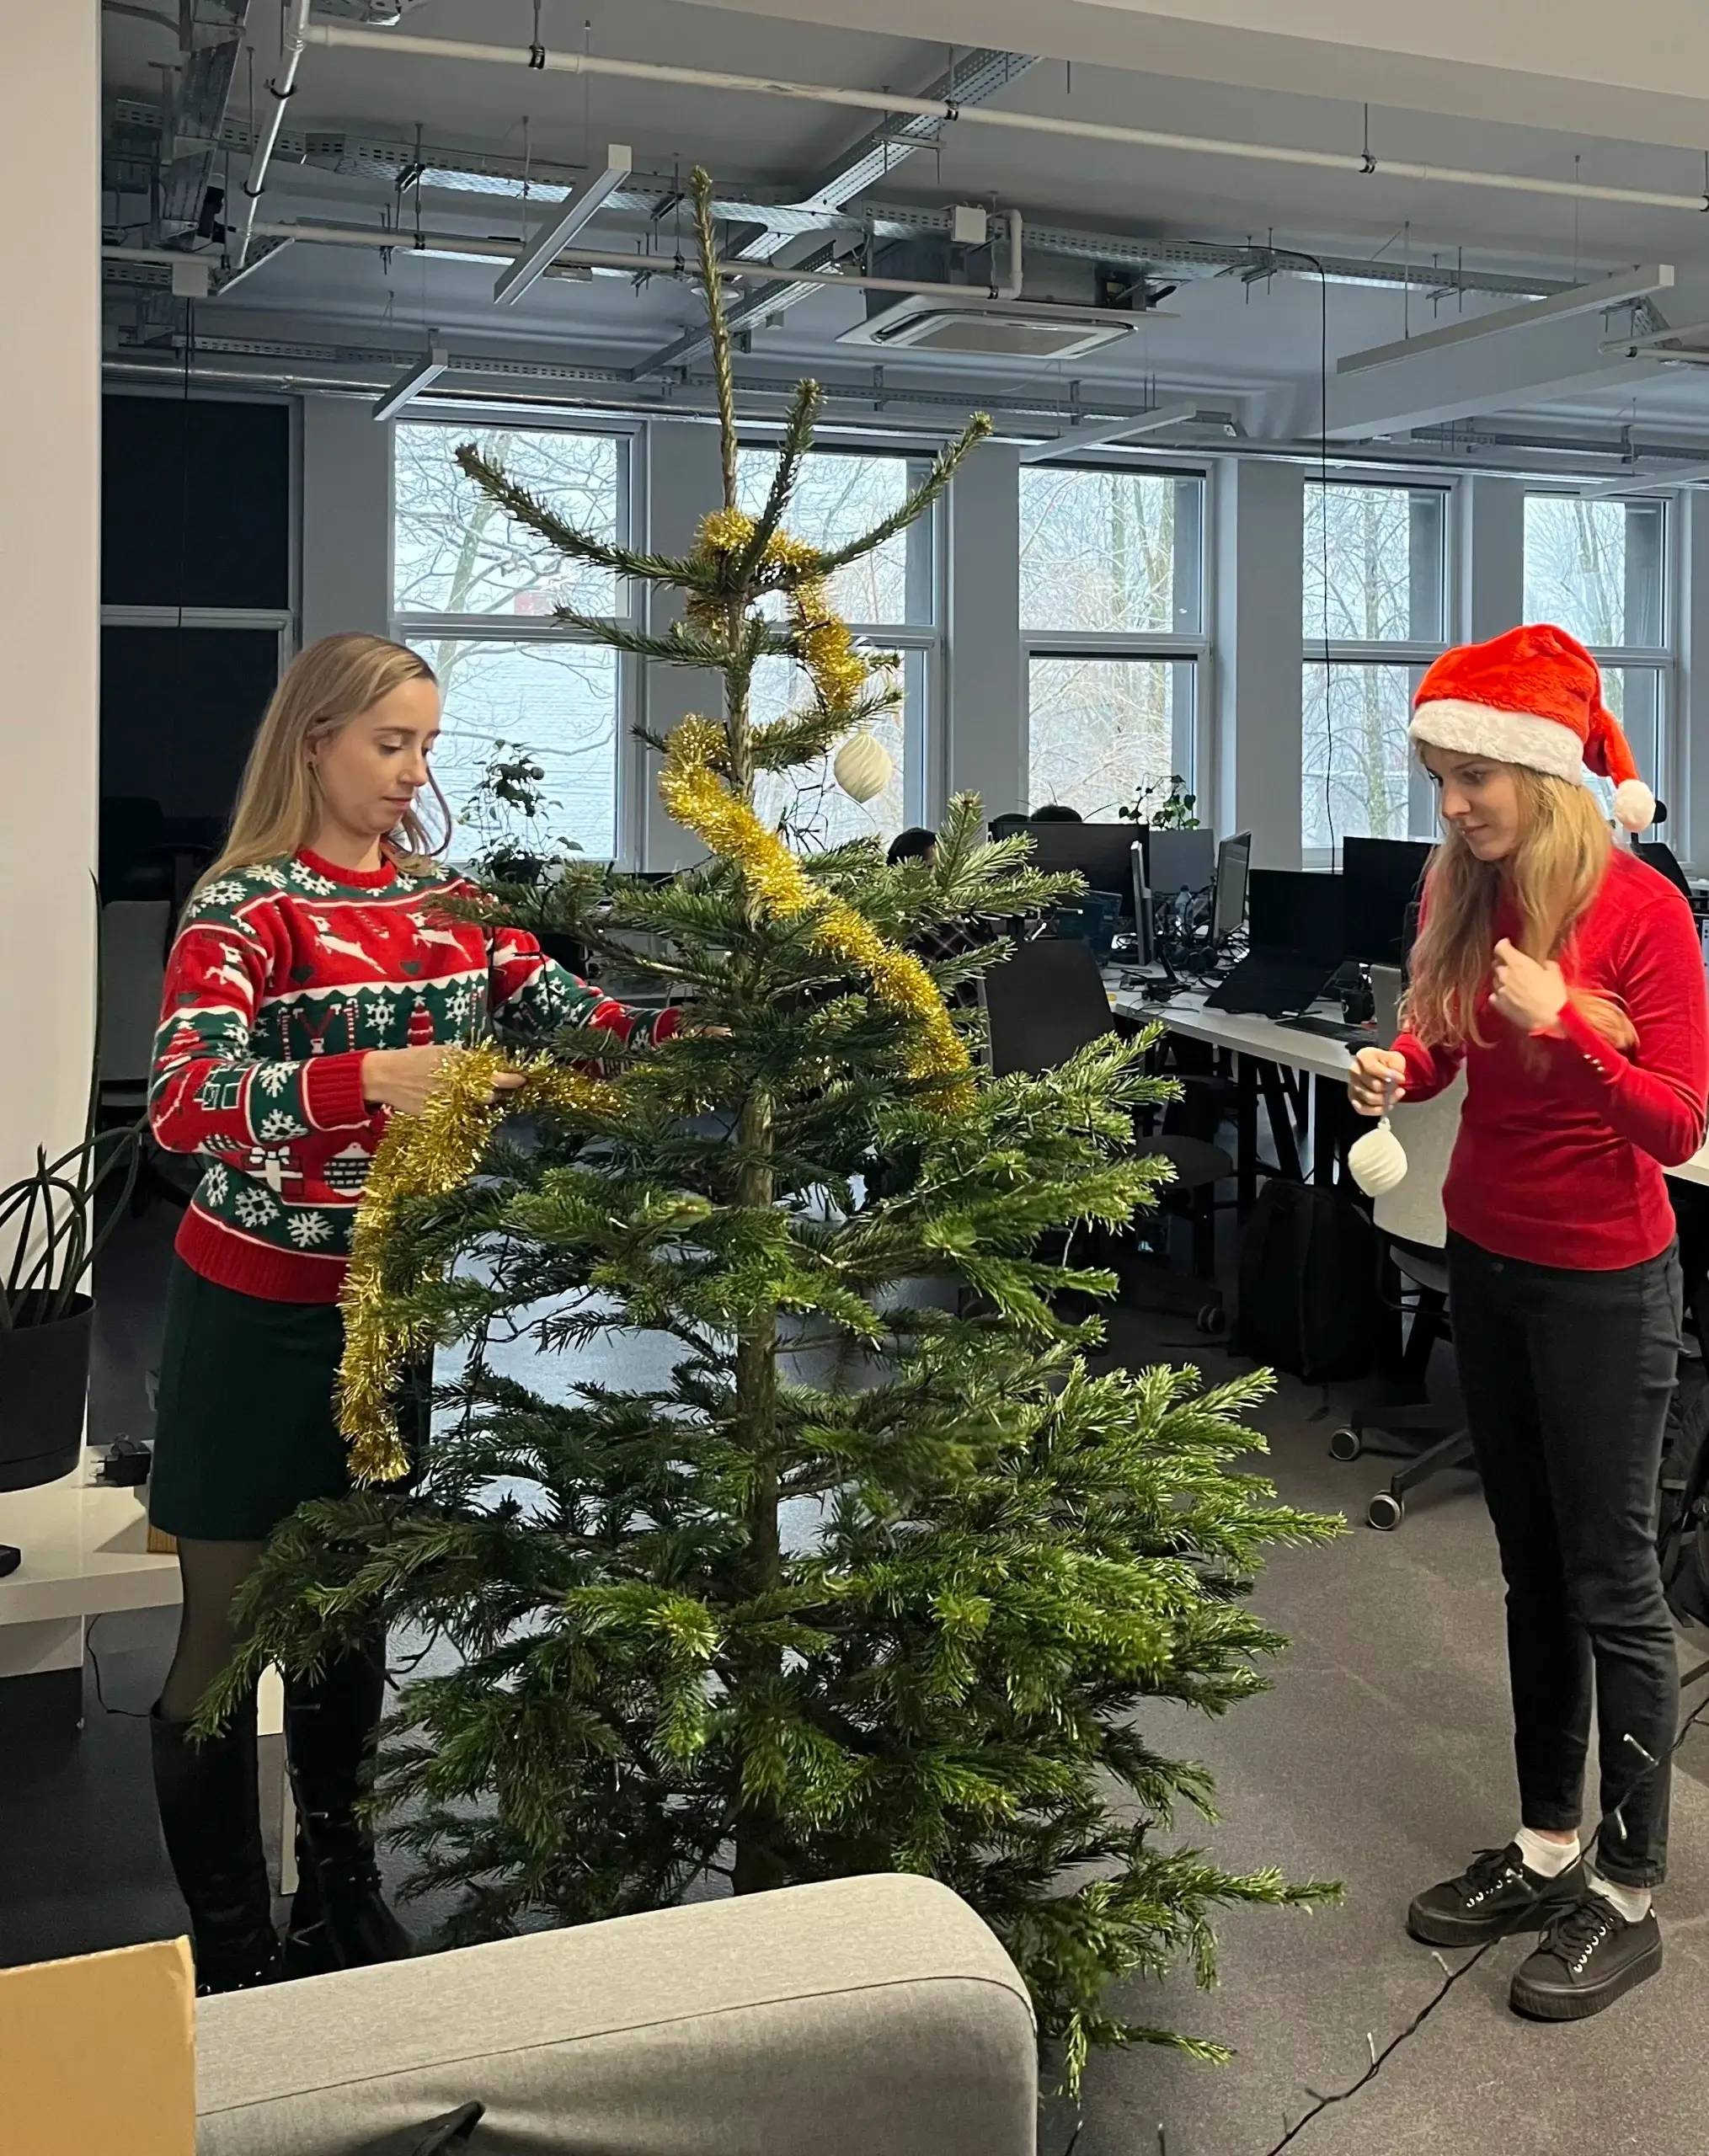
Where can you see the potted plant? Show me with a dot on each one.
(53, 1224)
(1176, 810)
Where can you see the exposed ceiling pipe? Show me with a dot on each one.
(1089, 131)
(598, 258)
(280, 88)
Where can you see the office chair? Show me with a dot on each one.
(1043, 1005)
(1414, 1235)
(1005, 827)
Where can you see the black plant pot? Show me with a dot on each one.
(44, 1390)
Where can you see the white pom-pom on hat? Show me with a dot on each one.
(1634, 805)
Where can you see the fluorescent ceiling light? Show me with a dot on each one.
(1578, 299)
(1108, 430)
(411, 385)
(560, 230)
(1634, 483)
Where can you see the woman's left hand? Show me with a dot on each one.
(1529, 995)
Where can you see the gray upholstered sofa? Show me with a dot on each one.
(864, 2017)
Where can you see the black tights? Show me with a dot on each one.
(212, 1573)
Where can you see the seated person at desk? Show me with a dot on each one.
(1566, 976)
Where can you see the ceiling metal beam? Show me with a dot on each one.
(970, 80)
(409, 386)
(1111, 430)
(562, 227)
(1606, 293)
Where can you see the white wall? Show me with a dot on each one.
(683, 479)
(986, 695)
(346, 518)
(1259, 538)
(49, 571)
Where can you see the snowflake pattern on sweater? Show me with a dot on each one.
(282, 977)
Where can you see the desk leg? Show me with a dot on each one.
(1246, 1132)
(1324, 1134)
(1275, 1093)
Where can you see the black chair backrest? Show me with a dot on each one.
(1043, 1004)
(1005, 827)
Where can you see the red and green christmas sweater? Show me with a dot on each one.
(282, 977)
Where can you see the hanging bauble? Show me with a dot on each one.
(863, 766)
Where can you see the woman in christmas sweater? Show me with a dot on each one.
(1566, 976)
(314, 987)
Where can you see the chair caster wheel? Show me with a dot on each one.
(1385, 1511)
(1212, 1321)
(1346, 1444)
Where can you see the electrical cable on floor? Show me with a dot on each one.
(1379, 2059)
(133, 1714)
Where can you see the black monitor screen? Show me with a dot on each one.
(1295, 913)
(1102, 853)
(1382, 878)
(1233, 861)
(1181, 860)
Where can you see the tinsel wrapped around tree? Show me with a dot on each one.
(867, 1578)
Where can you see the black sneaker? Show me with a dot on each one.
(1584, 1960)
(1495, 1893)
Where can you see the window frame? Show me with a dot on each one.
(1189, 744)
(628, 809)
(1413, 654)
(1661, 660)
(925, 784)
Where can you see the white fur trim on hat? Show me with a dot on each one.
(1634, 805)
(1509, 737)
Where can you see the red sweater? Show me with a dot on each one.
(283, 977)
(1559, 1154)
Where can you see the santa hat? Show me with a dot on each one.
(1533, 696)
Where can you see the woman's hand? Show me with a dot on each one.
(1528, 995)
(1376, 1080)
(401, 1078)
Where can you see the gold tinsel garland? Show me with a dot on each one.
(425, 1156)
(834, 665)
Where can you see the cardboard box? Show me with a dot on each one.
(97, 2054)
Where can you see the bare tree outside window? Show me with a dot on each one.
(1110, 591)
(1373, 585)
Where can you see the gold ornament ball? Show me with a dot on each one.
(863, 766)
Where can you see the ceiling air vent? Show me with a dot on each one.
(1004, 329)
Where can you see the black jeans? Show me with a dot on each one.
(1566, 1377)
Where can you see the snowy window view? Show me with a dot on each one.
(475, 595)
(837, 497)
(1596, 568)
(1373, 585)
(1111, 605)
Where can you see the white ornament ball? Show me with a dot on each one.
(1378, 1162)
(863, 766)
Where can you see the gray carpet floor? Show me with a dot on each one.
(1380, 1759)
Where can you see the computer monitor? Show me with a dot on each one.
(1381, 878)
(1180, 860)
(1144, 950)
(1100, 852)
(1228, 914)
(1296, 915)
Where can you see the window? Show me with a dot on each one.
(476, 595)
(1373, 617)
(888, 597)
(1597, 567)
(1112, 610)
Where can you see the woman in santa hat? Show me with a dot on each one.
(1567, 978)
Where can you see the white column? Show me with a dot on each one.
(1687, 827)
(683, 479)
(1490, 559)
(49, 571)
(985, 693)
(346, 519)
(1260, 532)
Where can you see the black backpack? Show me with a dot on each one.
(1308, 1301)
(1682, 1509)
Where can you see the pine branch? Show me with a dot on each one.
(796, 441)
(718, 327)
(907, 512)
(685, 573)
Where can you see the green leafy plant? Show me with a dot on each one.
(505, 812)
(862, 1568)
(1175, 810)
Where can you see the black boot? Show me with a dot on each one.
(339, 1919)
(210, 1816)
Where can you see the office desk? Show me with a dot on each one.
(1261, 1045)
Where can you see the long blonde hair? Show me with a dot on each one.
(1552, 875)
(322, 690)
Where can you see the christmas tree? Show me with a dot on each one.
(869, 1579)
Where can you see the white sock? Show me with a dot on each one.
(1633, 1902)
(1548, 1859)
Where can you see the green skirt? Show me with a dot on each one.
(244, 1427)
